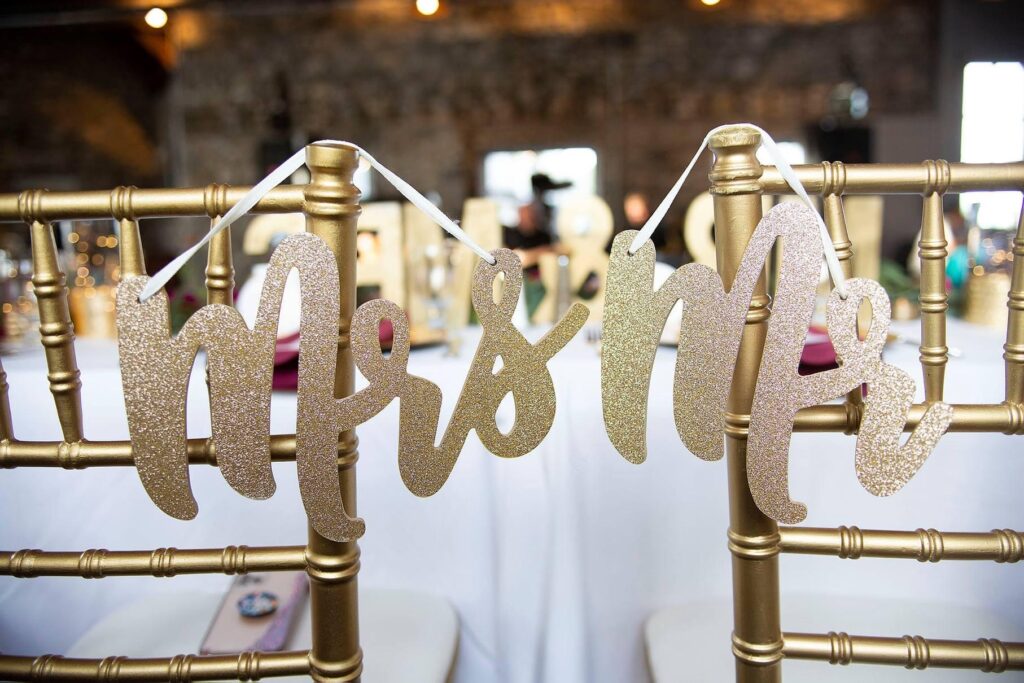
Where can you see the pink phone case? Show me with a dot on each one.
(231, 632)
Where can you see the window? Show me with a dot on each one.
(793, 152)
(992, 132)
(507, 176)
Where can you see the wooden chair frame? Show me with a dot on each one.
(330, 204)
(758, 643)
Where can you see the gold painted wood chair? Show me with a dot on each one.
(330, 205)
(759, 644)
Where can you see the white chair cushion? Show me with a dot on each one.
(693, 642)
(405, 636)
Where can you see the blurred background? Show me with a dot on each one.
(530, 103)
(546, 126)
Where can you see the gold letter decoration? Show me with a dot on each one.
(155, 369)
(524, 374)
(712, 325)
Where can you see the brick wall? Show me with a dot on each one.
(431, 97)
(80, 108)
(641, 82)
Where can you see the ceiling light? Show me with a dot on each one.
(156, 18)
(427, 7)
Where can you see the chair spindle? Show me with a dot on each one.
(932, 252)
(1013, 350)
(57, 334)
(835, 220)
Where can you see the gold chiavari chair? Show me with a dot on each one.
(758, 643)
(330, 204)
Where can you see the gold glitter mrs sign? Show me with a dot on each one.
(712, 324)
(155, 369)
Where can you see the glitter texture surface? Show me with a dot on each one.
(712, 325)
(318, 426)
(155, 370)
(781, 391)
(524, 374)
(883, 466)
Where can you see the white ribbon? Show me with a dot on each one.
(278, 176)
(834, 269)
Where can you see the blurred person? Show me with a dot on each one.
(536, 218)
(535, 235)
(637, 211)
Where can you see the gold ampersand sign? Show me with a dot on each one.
(155, 369)
(712, 325)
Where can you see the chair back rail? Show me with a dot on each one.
(759, 644)
(330, 204)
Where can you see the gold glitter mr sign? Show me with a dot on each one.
(156, 366)
(712, 324)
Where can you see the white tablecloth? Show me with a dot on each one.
(553, 560)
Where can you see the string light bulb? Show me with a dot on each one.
(710, 3)
(156, 18)
(428, 8)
